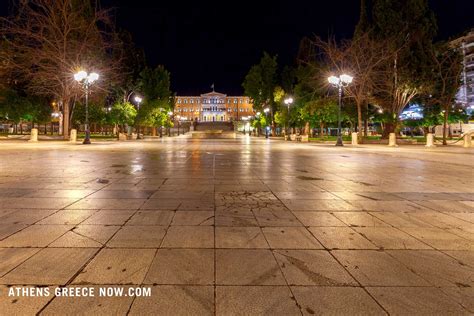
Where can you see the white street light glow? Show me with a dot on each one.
(346, 78)
(333, 80)
(138, 99)
(93, 77)
(81, 75)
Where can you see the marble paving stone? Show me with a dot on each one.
(213, 212)
(109, 217)
(75, 240)
(240, 237)
(436, 267)
(247, 267)
(161, 204)
(193, 218)
(89, 305)
(35, 236)
(400, 219)
(24, 216)
(176, 300)
(388, 206)
(107, 204)
(98, 233)
(121, 194)
(66, 217)
(154, 218)
(312, 267)
(390, 238)
(464, 257)
(359, 219)
(255, 300)
(12, 257)
(189, 237)
(341, 238)
(79, 194)
(9, 229)
(275, 218)
(375, 268)
(43, 203)
(464, 296)
(415, 301)
(335, 301)
(235, 218)
(440, 239)
(117, 266)
(318, 219)
(290, 238)
(318, 205)
(23, 305)
(182, 266)
(49, 266)
(138, 237)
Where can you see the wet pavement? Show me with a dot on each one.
(246, 226)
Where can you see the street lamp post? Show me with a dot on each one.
(170, 114)
(340, 82)
(139, 100)
(266, 110)
(288, 102)
(179, 118)
(86, 80)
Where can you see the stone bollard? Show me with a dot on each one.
(392, 140)
(467, 140)
(122, 137)
(73, 136)
(430, 140)
(355, 139)
(34, 135)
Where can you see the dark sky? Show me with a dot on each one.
(202, 42)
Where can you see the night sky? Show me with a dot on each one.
(201, 42)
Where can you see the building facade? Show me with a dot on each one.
(213, 107)
(465, 95)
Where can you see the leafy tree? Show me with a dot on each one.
(158, 117)
(123, 114)
(445, 79)
(259, 83)
(409, 26)
(323, 112)
(97, 114)
(154, 84)
(49, 40)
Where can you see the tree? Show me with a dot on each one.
(445, 78)
(362, 57)
(322, 112)
(409, 27)
(154, 84)
(123, 114)
(259, 83)
(157, 117)
(47, 41)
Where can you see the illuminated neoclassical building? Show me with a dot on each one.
(213, 107)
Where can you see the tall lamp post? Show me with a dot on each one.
(340, 82)
(266, 110)
(288, 102)
(170, 114)
(86, 80)
(139, 100)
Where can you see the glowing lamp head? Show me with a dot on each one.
(288, 101)
(333, 80)
(93, 77)
(266, 110)
(170, 113)
(138, 99)
(346, 78)
(81, 75)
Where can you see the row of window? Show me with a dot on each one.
(213, 100)
(212, 109)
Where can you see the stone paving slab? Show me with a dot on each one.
(237, 227)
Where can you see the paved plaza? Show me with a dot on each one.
(245, 226)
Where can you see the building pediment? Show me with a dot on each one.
(214, 94)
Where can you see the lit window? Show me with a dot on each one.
(191, 101)
(179, 101)
(241, 101)
(235, 101)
